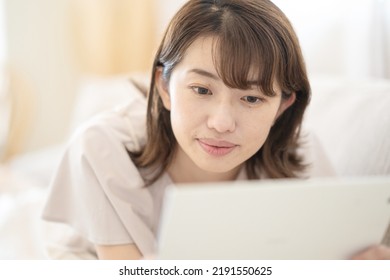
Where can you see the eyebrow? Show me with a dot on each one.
(213, 76)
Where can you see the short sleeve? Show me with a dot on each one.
(97, 189)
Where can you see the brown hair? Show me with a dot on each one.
(251, 34)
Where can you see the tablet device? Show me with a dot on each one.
(286, 219)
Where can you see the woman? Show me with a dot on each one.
(226, 101)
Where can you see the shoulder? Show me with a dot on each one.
(101, 146)
(97, 189)
(314, 156)
(124, 126)
(113, 107)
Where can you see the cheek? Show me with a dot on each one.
(183, 113)
(257, 127)
(256, 134)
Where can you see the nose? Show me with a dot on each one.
(221, 118)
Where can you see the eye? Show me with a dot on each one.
(252, 99)
(201, 90)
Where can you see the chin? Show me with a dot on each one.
(218, 168)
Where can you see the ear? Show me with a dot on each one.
(162, 88)
(285, 103)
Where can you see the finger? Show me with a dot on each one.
(378, 252)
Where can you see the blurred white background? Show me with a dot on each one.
(57, 59)
(48, 47)
(346, 38)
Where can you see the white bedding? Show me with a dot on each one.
(23, 187)
(21, 201)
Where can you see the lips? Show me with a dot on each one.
(216, 147)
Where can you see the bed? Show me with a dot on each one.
(350, 118)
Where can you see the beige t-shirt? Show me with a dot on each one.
(98, 191)
(98, 196)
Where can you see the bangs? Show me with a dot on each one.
(244, 57)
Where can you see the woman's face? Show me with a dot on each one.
(217, 128)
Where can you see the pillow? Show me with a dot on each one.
(352, 120)
(101, 94)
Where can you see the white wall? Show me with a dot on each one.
(347, 38)
(40, 55)
(166, 9)
(4, 98)
(3, 45)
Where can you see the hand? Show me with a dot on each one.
(377, 252)
(118, 252)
